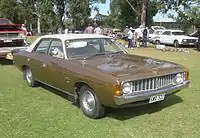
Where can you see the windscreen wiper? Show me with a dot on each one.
(94, 55)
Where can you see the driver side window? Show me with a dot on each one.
(42, 46)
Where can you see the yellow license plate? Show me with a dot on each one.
(9, 56)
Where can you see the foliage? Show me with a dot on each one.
(122, 14)
(190, 16)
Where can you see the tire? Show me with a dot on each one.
(176, 44)
(157, 42)
(90, 104)
(28, 76)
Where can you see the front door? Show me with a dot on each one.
(39, 61)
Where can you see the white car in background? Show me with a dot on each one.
(153, 36)
(176, 38)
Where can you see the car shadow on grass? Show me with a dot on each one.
(58, 93)
(125, 113)
(131, 112)
(4, 62)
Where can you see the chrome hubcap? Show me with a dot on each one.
(29, 76)
(88, 101)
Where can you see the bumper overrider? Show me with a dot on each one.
(122, 100)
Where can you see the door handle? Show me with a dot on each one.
(44, 65)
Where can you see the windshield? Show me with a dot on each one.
(178, 33)
(5, 21)
(84, 48)
(158, 32)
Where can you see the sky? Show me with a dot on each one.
(104, 8)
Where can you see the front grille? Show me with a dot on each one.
(191, 40)
(9, 34)
(154, 83)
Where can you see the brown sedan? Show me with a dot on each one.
(98, 72)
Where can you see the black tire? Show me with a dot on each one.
(176, 44)
(157, 42)
(95, 109)
(28, 76)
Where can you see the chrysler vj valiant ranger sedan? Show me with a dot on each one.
(98, 72)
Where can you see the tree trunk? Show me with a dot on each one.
(144, 12)
(38, 25)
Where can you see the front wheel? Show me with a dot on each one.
(176, 44)
(28, 76)
(90, 104)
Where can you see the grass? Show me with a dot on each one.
(44, 112)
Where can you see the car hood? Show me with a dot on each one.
(126, 65)
(186, 37)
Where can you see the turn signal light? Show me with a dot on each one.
(187, 75)
(117, 90)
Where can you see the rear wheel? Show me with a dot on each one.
(28, 76)
(90, 104)
(176, 44)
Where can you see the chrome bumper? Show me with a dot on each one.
(121, 100)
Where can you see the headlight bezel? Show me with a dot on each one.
(126, 87)
(179, 78)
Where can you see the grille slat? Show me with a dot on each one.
(153, 83)
(9, 34)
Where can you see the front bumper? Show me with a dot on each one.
(7, 52)
(122, 100)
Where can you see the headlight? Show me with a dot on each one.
(127, 87)
(184, 40)
(21, 35)
(179, 78)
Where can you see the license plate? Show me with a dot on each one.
(191, 43)
(7, 41)
(157, 98)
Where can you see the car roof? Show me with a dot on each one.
(173, 30)
(74, 36)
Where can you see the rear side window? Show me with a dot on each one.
(42, 46)
(56, 49)
(167, 33)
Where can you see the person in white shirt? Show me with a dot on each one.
(66, 30)
(139, 35)
(98, 30)
(130, 38)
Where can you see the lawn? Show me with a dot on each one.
(44, 112)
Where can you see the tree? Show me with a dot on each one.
(80, 11)
(133, 12)
(61, 11)
(14, 14)
(190, 17)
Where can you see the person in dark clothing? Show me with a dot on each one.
(144, 37)
(198, 43)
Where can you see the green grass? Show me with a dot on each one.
(43, 112)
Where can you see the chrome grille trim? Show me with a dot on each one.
(155, 83)
(9, 34)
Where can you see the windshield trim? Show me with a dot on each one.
(121, 48)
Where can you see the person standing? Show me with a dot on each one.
(130, 38)
(89, 29)
(126, 30)
(198, 42)
(23, 27)
(144, 37)
(98, 30)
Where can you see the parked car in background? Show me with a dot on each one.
(154, 35)
(98, 72)
(176, 38)
(11, 37)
